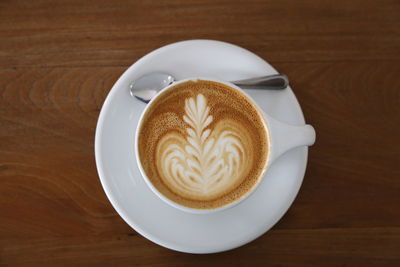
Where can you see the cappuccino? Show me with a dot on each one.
(203, 144)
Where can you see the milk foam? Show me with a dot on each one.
(206, 163)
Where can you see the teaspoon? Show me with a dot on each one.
(147, 86)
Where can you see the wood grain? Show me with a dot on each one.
(100, 33)
(58, 60)
(364, 246)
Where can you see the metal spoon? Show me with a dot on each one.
(147, 86)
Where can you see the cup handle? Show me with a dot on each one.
(284, 137)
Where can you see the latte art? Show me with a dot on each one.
(207, 162)
(202, 144)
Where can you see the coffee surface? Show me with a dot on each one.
(203, 144)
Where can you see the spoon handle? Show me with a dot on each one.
(277, 81)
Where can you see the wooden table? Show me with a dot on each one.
(59, 59)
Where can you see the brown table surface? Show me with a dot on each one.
(59, 59)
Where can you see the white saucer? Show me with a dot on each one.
(142, 209)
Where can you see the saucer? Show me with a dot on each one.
(140, 207)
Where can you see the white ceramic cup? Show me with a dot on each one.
(282, 138)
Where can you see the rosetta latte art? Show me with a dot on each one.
(205, 163)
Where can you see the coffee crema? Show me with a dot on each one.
(203, 144)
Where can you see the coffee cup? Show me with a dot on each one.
(203, 145)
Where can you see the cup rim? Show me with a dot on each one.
(173, 203)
